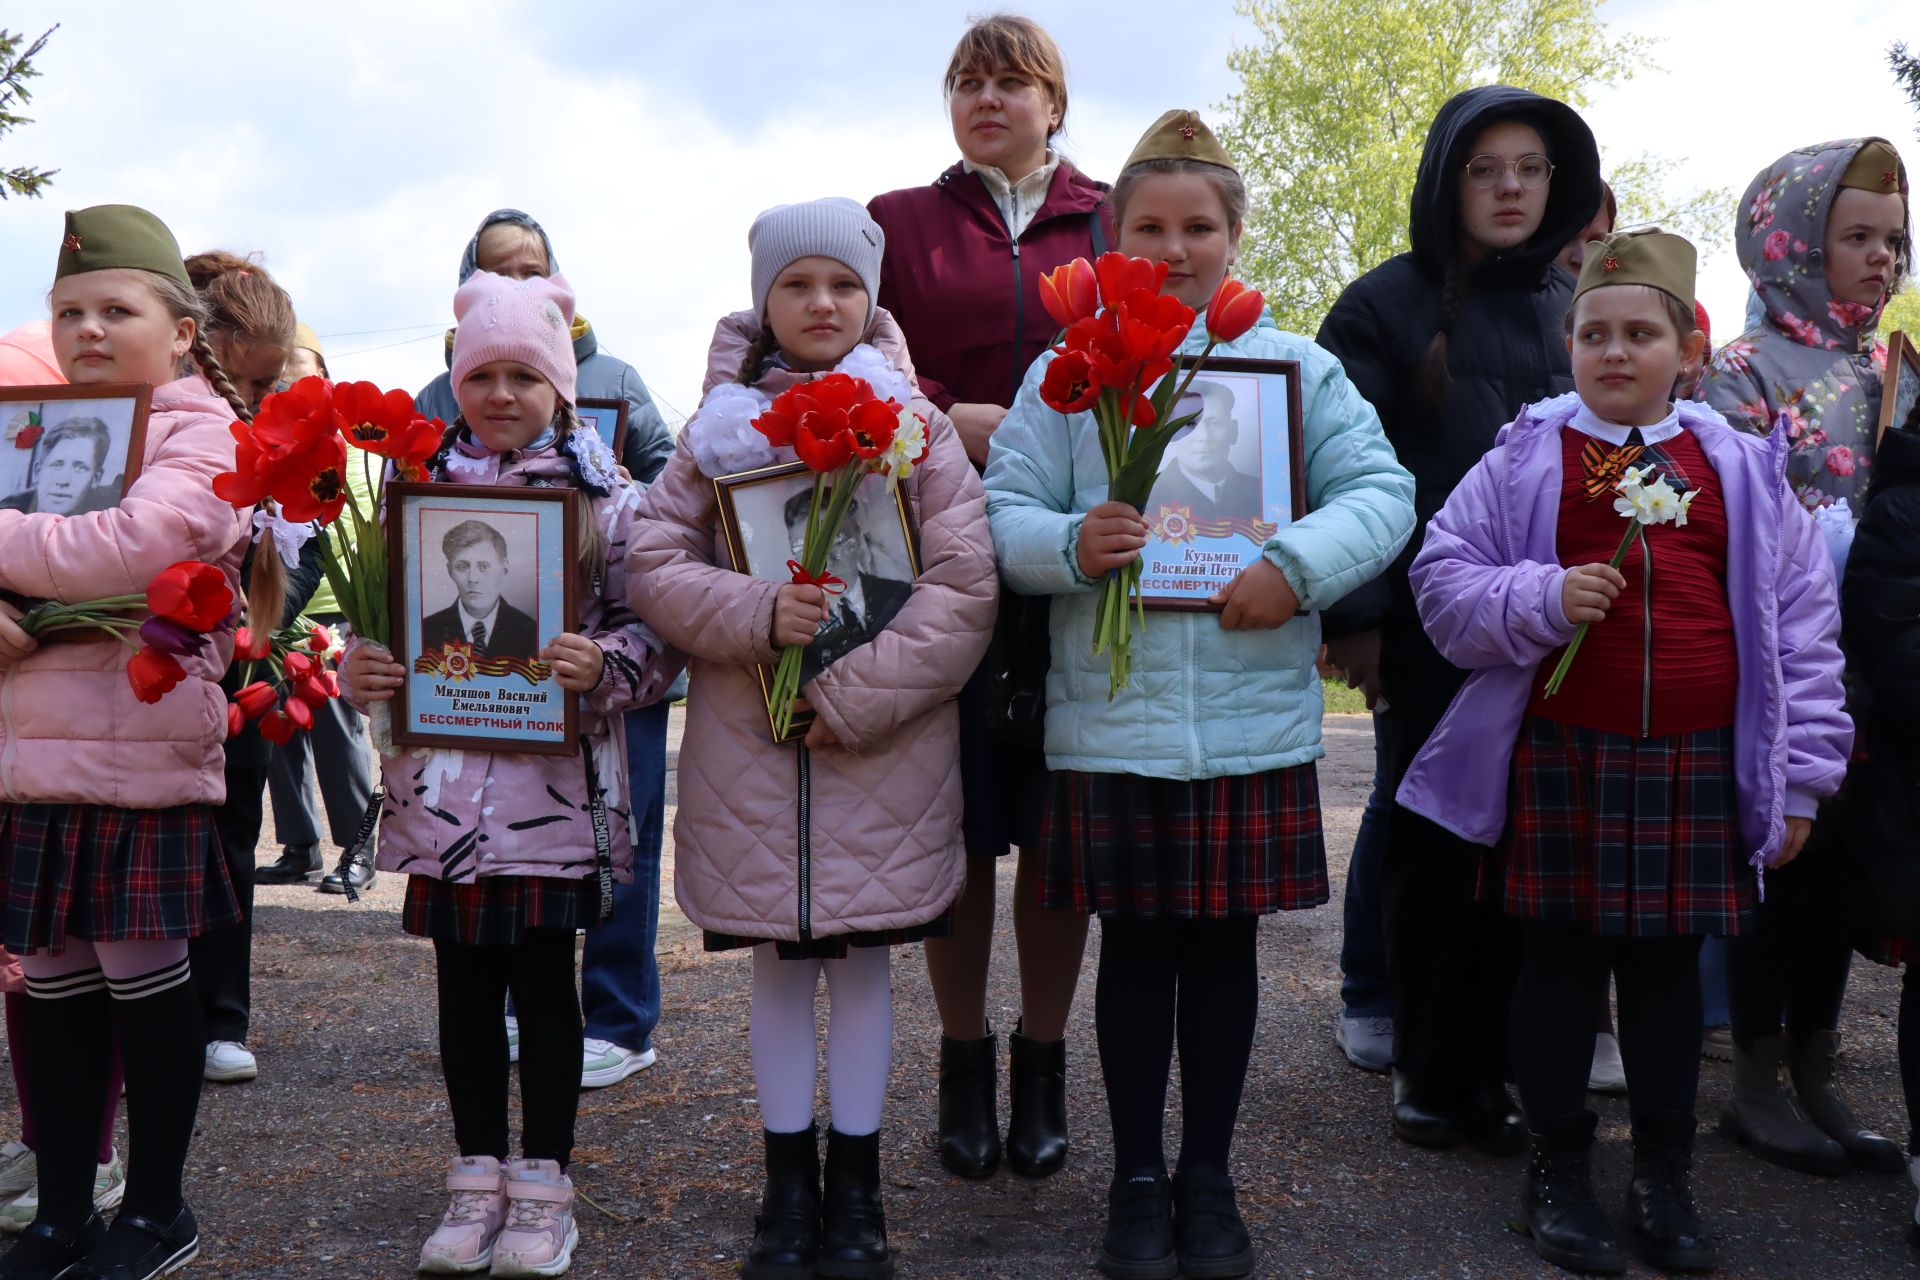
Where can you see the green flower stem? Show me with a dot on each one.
(1559, 675)
(836, 488)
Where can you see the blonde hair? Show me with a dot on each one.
(1232, 188)
(1019, 44)
(523, 236)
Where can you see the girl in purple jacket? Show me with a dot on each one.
(1697, 727)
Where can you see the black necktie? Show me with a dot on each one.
(479, 635)
(1635, 439)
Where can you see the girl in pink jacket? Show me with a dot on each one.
(107, 846)
(508, 854)
(818, 855)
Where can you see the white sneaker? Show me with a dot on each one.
(230, 1062)
(18, 1169)
(1607, 1074)
(1367, 1041)
(109, 1189)
(602, 1062)
(513, 1038)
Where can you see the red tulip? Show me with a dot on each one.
(256, 699)
(277, 728)
(248, 645)
(776, 424)
(870, 427)
(1070, 386)
(384, 422)
(1121, 277)
(152, 672)
(298, 665)
(1070, 292)
(1233, 310)
(330, 682)
(191, 593)
(236, 720)
(28, 436)
(299, 713)
(318, 640)
(1143, 414)
(311, 692)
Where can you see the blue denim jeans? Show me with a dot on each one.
(1363, 944)
(1714, 1011)
(619, 978)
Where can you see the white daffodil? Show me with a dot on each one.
(897, 461)
(1686, 501)
(1628, 503)
(1659, 504)
(1633, 478)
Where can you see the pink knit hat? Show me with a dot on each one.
(500, 318)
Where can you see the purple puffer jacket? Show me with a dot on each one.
(460, 815)
(1488, 584)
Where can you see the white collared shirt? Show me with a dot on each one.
(467, 620)
(1590, 423)
(1017, 201)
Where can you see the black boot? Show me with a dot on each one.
(1812, 1071)
(1661, 1222)
(1139, 1240)
(1557, 1204)
(1208, 1234)
(45, 1252)
(969, 1130)
(853, 1226)
(1421, 1120)
(297, 862)
(1036, 1105)
(359, 875)
(1765, 1116)
(1494, 1124)
(786, 1231)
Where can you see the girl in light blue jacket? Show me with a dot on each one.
(1187, 806)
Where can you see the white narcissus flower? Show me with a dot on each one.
(1632, 478)
(1686, 501)
(898, 459)
(1659, 504)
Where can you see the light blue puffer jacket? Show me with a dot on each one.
(1203, 702)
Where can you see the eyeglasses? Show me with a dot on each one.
(1532, 172)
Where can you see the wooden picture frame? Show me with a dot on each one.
(609, 419)
(1228, 481)
(1900, 392)
(876, 554)
(50, 434)
(496, 699)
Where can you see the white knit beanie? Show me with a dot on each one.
(834, 227)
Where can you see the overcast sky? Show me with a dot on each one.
(356, 145)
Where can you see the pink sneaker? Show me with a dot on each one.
(540, 1233)
(477, 1203)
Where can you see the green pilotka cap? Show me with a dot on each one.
(119, 235)
(1179, 135)
(1874, 167)
(1658, 259)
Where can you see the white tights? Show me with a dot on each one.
(859, 1038)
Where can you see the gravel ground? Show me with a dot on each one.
(330, 1164)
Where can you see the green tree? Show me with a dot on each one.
(1906, 70)
(1333, 109)
(1902, 313)
(16, 68)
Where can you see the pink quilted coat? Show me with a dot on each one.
(780, 841)
(71, 730)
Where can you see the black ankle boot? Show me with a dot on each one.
(1557, 1204)
(295, 864)
(1661, 1222)
(786, 1231)
(1037, 1105)
(1493, 1123)
(1421, 1119)
(1139, 1239)
(853, 1228)
(969, 1130)
(1812, 1071)
(1766, 1116)
(1208, 1233)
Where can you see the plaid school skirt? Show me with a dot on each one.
(1627, 837)
(1206, 849)
(496, 911)
(103, 874)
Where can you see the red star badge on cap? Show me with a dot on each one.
(1186, 131)
(71, 244)
(1890, 179)
(1609, 263)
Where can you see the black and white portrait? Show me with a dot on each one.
(482, 580)
(67, 456)
(1212, 465)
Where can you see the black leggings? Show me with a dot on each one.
(1910, 1051)
(1790, 969)
(1198, 979)
(474, 981)
(1563, 976)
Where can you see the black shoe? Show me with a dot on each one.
(137, 1248)
(1208, 1234)
(1661, 1222)
(1139, 1240)
(359, 875)
(1812, 1070)
(1037, 1106)
(853, 1225)
(786, 1232)
(1766, 1116)
(1557, 1206)
(45, 1252)
(1420, 1120)
(1494, 1124)
(969, 1130)
(297, 862)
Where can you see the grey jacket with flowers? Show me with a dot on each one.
(460, 815)
(1813, 359)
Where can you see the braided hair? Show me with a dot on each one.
(762, 347)
(1433, 377)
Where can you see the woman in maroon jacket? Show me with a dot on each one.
(962, 272)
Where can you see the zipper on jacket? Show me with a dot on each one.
(1019, 318)
(1646, 634)
(805, 851)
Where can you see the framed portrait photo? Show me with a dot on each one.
(609, 418)
(482, 578)
(1228, 482)
(68, 450)
(763, 517)
(1900, 394)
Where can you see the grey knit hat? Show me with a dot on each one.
(834, 227)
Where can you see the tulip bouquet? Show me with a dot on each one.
(301, 682)
(295, 454)
(1120, 337)
(1645, 499)
(187, 603)
(843, 431)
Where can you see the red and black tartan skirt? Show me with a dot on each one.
(103, 874)
(1204, 849)
(497, 910)
(1627, 837)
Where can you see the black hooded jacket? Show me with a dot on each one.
(1505, 347)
